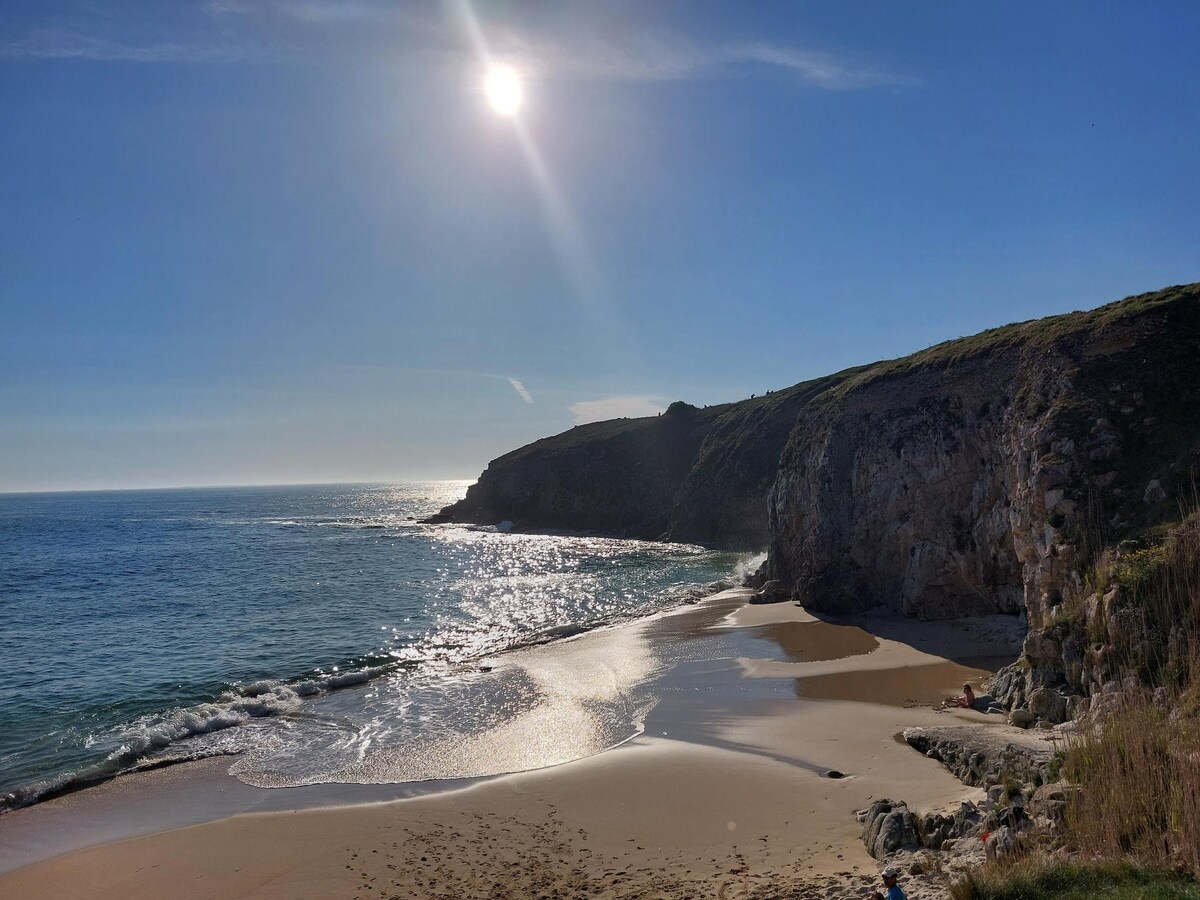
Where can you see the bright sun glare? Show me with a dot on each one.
(502, 85)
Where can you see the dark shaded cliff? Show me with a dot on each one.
(692, 474)
(969, 477)
(618, 476)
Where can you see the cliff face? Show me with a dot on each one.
(619, 476)
(904, 493)
(977, 476)
(699, 475)
(961, 480)
(723, 498)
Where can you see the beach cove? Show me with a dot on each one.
(725, 792)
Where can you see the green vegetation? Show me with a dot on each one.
(1136, 570)
(1028, 337)
(1156, 608)
(1138, 769)
(1034, 878)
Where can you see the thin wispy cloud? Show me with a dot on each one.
(307, 31)
(515, 384)
(586, 411)
(669, 57)
(520, 389)
(65, 44)
(316, 12)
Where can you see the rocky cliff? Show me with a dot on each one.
(619, 476)
(977, 476)
(691, 474)
(961, 479)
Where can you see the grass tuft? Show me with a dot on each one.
(1035, 878)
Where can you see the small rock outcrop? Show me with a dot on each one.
(985, 757)
(890, 828)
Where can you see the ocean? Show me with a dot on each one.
(319, 633)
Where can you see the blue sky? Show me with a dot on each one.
(288, 240)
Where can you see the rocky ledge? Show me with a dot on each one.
(985, 756)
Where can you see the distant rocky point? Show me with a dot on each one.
(690, 474)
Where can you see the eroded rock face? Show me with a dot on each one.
(978, 477)
(942, 492)
(888, 827)
(914, 494)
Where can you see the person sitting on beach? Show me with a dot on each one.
(966, 701)
(889, 876)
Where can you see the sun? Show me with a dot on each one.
(503, 87)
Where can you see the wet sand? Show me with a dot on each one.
(815, 641)
(724, 794)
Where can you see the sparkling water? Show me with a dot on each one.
(321, 632)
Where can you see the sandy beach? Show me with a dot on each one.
(724, 794)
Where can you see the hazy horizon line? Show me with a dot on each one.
(216, 486)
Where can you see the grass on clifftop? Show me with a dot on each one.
(1037, 878)
(1033, 334)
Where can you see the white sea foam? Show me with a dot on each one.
(156, 732)
(747, 566)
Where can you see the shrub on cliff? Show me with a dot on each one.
(1137, 762)
(1152, 617)
(1139, 766)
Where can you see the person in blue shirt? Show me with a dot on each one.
(889, 876)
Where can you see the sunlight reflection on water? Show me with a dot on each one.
(325, 623)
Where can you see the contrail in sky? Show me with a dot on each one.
(520, 389)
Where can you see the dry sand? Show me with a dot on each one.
(724, 795)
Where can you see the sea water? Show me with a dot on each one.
(320, 633)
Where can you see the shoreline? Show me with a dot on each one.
(306, 688)
(730, 740)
